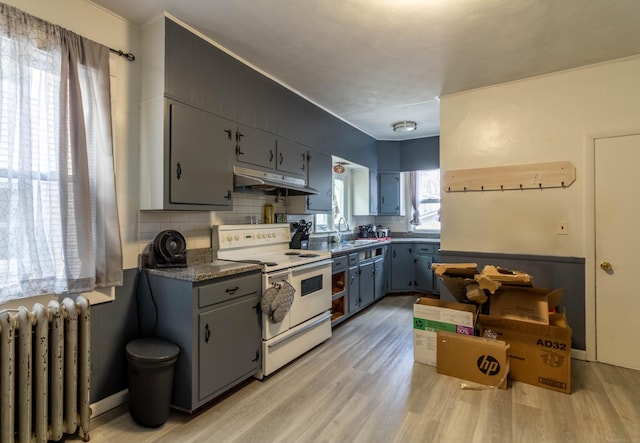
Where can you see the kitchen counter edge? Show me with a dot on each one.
(204, 271)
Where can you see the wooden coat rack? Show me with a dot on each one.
(504, 178)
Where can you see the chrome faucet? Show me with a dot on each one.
(340, 220)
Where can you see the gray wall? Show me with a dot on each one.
(408, 155)
(113, 325)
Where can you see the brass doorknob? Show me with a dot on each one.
(606, 266)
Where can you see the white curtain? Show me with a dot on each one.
(413, 186)
(59, 229)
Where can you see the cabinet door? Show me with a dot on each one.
(367, 284)
(423, 273)
(291, 157)
(389, 192)
(379, 273)
(229, 344)
(354, 289)
(200, 147)
(320, 178)
(402, 269)
(255, 147)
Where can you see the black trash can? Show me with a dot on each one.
(151, 364)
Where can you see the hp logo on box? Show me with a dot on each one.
(488, 365)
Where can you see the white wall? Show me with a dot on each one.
(543, 119)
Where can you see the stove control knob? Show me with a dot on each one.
(229, 238)
(237, 237)
(269, 235)
(274, 235)
(259, 235)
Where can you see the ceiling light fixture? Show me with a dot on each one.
(405, 126)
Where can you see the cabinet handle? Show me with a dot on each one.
(228, 131)
(394, 254)
(178, 171)
(207, 333)
(228, 196)
(383, 199)
(304, 158)
(231, 290)
(257, 356)
(270, 155)
(239, 136)
(281, 158)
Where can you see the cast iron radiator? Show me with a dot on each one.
(45, 371)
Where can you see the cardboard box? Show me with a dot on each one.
(432, 315)
(540, 355)
(456, 277)
(524, 304)
(477, 359)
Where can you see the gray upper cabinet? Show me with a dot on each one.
(291, 157)
(200, 146)
(389, 193)
(255, 147)
(321, 180)
(186, 150)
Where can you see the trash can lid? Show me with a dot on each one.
(152, 349)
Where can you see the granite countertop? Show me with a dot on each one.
(205, 271)
(357, 245)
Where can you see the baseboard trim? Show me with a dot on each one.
(578, 354)
(108, 403)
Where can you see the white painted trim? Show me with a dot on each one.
(589, 216)
(579, 354)
(108, 403)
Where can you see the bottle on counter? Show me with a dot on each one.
(269, 213)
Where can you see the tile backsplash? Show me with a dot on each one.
(195, 226)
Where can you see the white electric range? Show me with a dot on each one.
(308, 320)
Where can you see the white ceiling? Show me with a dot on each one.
(376, 62)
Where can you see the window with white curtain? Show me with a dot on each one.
(425, 197)
(59, 230)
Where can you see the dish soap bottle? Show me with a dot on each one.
(269, 213)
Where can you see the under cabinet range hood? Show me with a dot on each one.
(269, 181)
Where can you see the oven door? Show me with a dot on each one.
(269, 328)
(312, 283)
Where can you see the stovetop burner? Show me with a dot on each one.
(309, 255)
(292, 253)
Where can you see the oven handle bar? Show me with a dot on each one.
(306, 327)
(277, 274)
(313, 265)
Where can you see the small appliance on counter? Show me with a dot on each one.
(382, 232)
(168, 250)
(300, 234)
(367, 231)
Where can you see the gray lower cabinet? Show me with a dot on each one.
(402, 267)
(354, 289)
(411, 267)
(379, 279)
(216, 324)
(367, 284)
(423, 273)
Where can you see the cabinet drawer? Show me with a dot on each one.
(339, 263)
(353, 258)
(227, 289)
(429, 249)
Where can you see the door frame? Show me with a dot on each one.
(590, 232)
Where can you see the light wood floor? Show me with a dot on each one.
(363, 386)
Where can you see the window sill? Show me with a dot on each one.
(102, 295)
